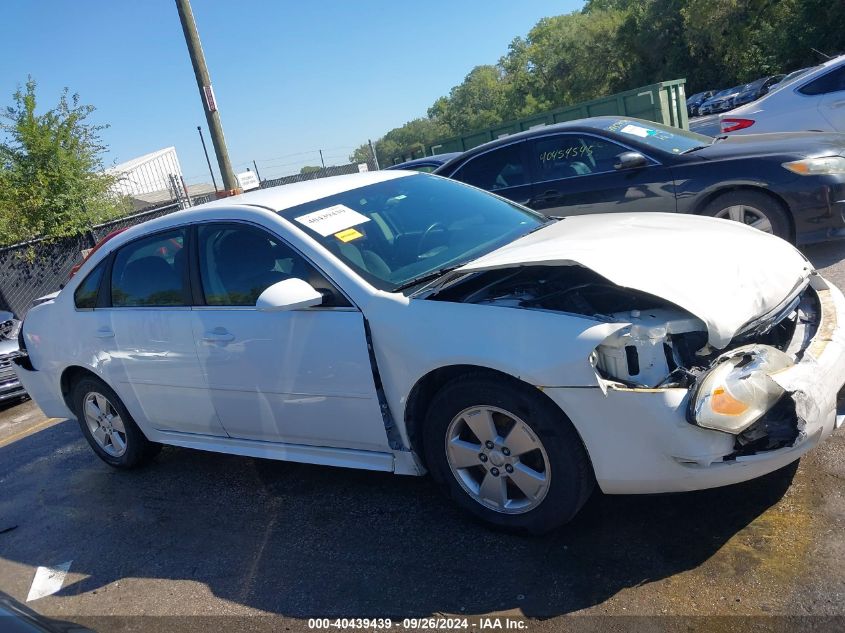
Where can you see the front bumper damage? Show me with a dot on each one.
(640, 441)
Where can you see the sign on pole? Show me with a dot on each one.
(248, 180)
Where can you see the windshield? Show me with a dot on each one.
(396, 232)
(671, 140)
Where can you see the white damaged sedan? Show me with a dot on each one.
(408, 323)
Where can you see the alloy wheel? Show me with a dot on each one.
(105, 424)
(747, 215)
(497, 459)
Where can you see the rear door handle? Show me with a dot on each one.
(218, 335)
(104, 332)
(552, 195)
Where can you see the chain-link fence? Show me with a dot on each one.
(334, 170)
(39, 267)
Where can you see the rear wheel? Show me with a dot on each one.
(506, 454)
(108, 427)
(755, 209)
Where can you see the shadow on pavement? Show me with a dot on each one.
(302, 540)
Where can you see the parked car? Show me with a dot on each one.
(720, 102)
(755, 89)
(608, 164)
(426, 163)
(403, 322)
(790, 76)
(814, 100)
(694, 102)
(10, 386)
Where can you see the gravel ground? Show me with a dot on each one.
(201, 534)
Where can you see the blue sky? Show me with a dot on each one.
(290, 77)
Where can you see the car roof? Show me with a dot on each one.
(803, 78)
(294, 194)
(435, 159)
(590, 124)
(272, 199)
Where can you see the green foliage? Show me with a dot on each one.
(477, 103)
(616, 45)
(310, 169)
(51, 175)
(409, 140)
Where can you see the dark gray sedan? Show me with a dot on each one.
(792, 185)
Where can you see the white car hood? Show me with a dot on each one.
(723, 272)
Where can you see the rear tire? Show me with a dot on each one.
(752, 208)
(528, 472)
(107, 425)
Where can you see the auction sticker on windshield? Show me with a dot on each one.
(636, 130)
(332, 219)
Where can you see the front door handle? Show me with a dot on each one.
(104, 332)
(218, 335)
(552, 195)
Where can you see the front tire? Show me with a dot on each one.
(753, 208)
(107, 425)
(506, 454)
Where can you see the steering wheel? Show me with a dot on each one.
(425, 235)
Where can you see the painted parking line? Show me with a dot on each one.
(47, 581)
(35, 428)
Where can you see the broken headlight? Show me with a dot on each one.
(738, 389)
(9, 329)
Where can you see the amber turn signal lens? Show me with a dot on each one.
(724, 403)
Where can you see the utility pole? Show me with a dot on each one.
(373, 152)
(321, 159)
(256, 171)
(207, 159)
(212, 115)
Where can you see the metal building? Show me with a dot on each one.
(148, 173)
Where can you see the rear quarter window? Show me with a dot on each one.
(833, 81)
(85, 295)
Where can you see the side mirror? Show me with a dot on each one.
(630, 160)
(290, 294)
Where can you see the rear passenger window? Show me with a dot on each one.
(85, 295)
(150, 272)
(497, 169)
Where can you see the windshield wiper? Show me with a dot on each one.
(694, 149)
(422, 279)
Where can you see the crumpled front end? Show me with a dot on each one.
(717, 416)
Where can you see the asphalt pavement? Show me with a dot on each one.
(203, 534)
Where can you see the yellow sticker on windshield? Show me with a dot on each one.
(348, 235)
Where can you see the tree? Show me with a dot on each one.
(476, 103)
(571, 58)
(51, 173)
(361, 154)
(410, 139)
(310, 169)
(617, 45)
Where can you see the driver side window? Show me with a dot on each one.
(572, 155)
(238, 262)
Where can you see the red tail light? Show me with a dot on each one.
(732, 125)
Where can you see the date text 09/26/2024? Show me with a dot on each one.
(415, 624)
